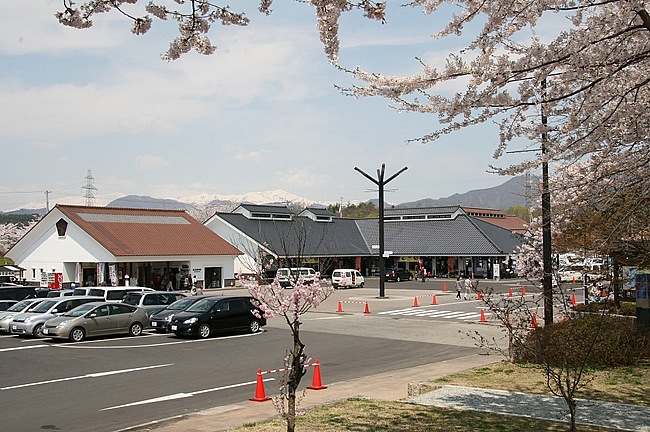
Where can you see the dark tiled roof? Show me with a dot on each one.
(440, 237)
(138, 232)
(301, 236)
(265, 208)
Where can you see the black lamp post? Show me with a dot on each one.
(380, 182)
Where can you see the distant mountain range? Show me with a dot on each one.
(502, 197)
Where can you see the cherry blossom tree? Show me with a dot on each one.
(289, 304)
(195, 19)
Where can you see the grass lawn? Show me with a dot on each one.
(623, 385)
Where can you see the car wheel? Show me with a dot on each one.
(204, 331)
(361, 286)
(254, 326)
(77, 334)
(135, 329)
(38, 330)
(398, 279)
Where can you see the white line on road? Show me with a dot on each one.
(90, 375)
(22, 348)
(182, 395)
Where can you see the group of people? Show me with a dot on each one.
(465, 284)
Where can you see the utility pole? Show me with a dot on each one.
(380, 182)
(47, 201)
(547, 263)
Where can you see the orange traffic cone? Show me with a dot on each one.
(415, 302)
(510, 293)
(534, 325)
(340, 308)
(483, 315)
(260, 395)
(316, 383)
(434, 301)
(367, 311)
(573, 299)
(444, 287)
(523, 291)
(573, 281)
(479, 296)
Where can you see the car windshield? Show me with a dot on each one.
(44, 306)
(19, 306)
(79, 310)
(202, 305)
(181, 304)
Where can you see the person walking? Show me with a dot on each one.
(468, 287)
(459, 287)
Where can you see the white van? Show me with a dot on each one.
(115, 293)
(286, 275)
(347, 278)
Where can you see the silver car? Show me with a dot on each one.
(31, 323)
(22, 306)
(97, 319)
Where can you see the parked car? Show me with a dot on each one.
(17, 292)
(21, 306)
(152, 301)
(216, 314)
(161, 319)
(573, 273)
(286, 275)
(347, 278)
(59, 293)
(6, 304)
(31, 323)
(398, 274)
(115, 293)
(97, 319)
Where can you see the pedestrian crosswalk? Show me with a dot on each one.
(435, 313)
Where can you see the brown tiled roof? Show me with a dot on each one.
(138, 232)
(498, 218)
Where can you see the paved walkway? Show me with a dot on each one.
(588, 412)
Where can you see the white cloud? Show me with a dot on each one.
(150, 162)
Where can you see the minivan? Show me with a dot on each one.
(287, 275)
(215, 314)
(347, 278)
(114, 293)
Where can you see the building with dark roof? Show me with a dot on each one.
(94, 245)
(446, 240)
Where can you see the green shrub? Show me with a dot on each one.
(600, 340)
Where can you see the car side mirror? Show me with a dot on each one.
(91, 315)
(55, 311)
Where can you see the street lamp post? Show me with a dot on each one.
(380, 182)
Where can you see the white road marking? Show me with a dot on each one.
(433, 313)
(182, 395)
(90, 375)
(22, 348)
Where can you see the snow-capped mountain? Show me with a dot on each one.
(276, 196)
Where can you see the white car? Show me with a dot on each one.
(287, 275)
(347, 278)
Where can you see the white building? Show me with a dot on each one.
(102, 245)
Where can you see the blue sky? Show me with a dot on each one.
(260, 114)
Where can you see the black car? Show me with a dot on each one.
(398, 274)
(216, 314)
(161, 319)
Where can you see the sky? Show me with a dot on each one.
(262, 113)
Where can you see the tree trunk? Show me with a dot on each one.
(295, 375)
